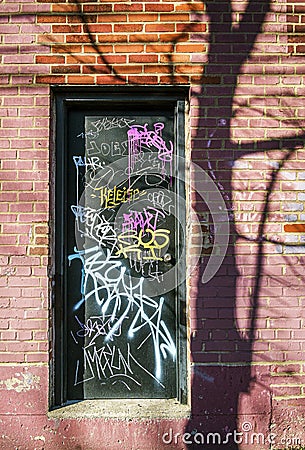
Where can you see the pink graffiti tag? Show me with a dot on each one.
(139, 136)
(143, 220)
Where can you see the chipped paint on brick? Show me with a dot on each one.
(22, 382)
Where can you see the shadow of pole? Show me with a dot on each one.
(222, 354)
(223, 369)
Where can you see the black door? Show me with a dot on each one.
(121, 248)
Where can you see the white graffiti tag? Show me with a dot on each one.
(105, 281)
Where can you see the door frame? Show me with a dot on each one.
(63, 99)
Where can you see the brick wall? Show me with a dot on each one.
(245, 68)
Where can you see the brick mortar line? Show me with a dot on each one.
(246, 364)
(24, 364)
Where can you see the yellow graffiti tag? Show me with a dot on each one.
(110, 198)
(150, 241)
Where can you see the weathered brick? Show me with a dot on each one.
(120, 7)
(294, 228)
(12, 358)
(159, 27)
(160, 7)
(246, 107)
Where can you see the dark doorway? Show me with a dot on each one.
(119, 237)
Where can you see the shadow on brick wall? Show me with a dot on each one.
(221, 352)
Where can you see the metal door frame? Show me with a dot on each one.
(63, 99)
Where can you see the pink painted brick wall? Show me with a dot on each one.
(244, 62)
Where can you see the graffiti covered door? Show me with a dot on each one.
(123, 315)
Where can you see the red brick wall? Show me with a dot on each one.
(244, 66)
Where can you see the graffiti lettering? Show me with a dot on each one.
(139, 136)
(130, 241)
(97, 227)
(161, 201)
(96, 326)
(146, 219)
(93, 162)
(115, 122)
(104, 148)
(122, 238)
(104, 281)
(104, 363)
(92, 134)
(110, 198)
